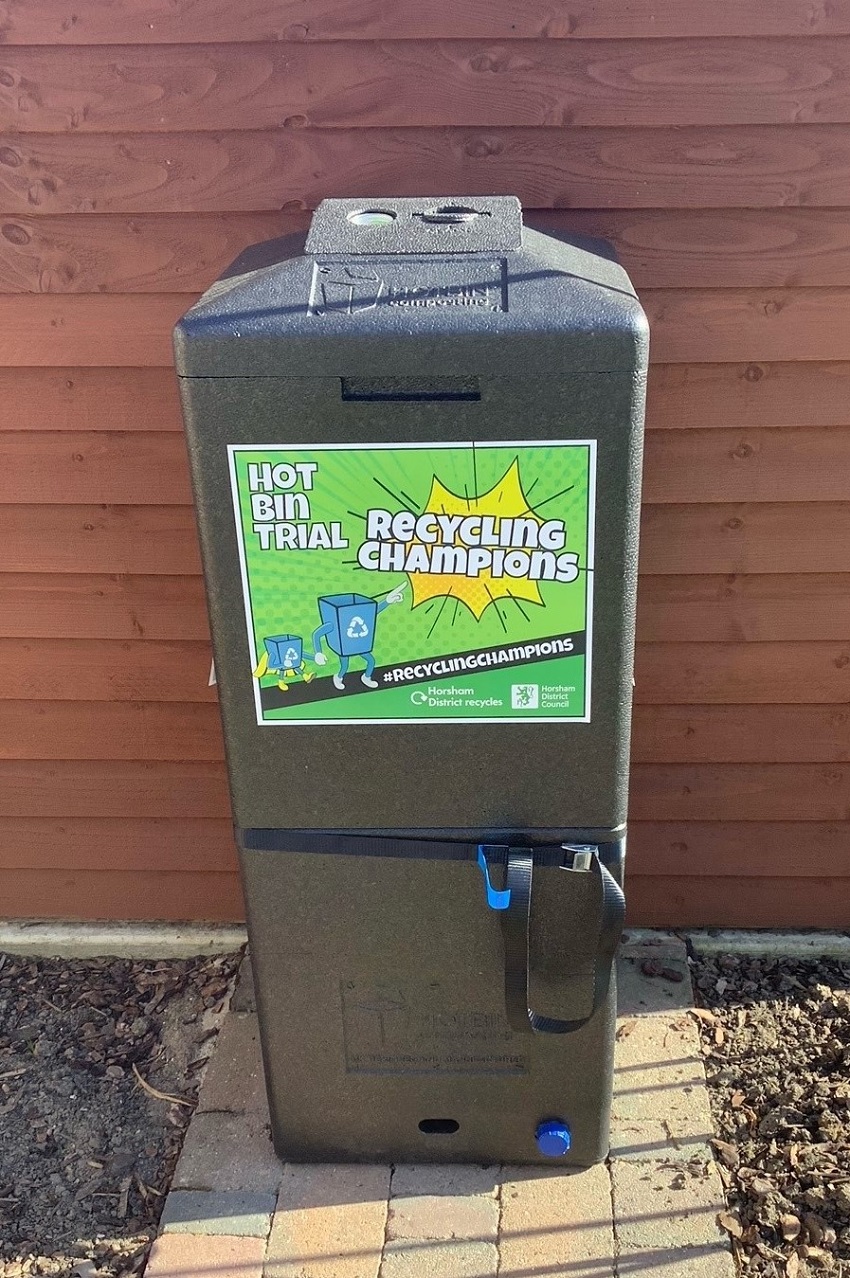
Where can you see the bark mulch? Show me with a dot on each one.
(100, 1063)
(776, 1039)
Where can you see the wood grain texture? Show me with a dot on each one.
(390, 84)
(665, 673)
(744, 607)
(747, 464)
(687, 325)
(731, 673)
(737, 538)
(746, 537)
(697, 849)
(121, 894)
(292, 169)
(104, 606)
(114, 843)
(110, 730)
(661, 848)
(162, 21)
(660, 248)
(140, 467)
(722, 609)
(99, 539)
(739, 792)
(85, 399)
(104, 670)
(766, 902)
(681, 396)
(740, 734)
(182, 790)
(188, 731)
(127, 468)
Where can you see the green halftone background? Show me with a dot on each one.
(285, 585)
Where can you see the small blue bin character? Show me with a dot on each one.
(348, 627)
(284, 656)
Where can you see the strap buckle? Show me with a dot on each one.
(581, 857)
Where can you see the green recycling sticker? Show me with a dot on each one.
(417, 583)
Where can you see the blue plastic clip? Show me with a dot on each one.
(495, 899)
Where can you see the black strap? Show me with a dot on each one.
(516, 922)
(353, 844)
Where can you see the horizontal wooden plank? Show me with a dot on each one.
(800, 792)
(687, 325)
(100, 539)
(724, 733)
(122, 894)
(728, 166)
(738, 538)
(747, 464)
(742, 673)
(724, 609)
(681, 396)
(100, 606)
(389, 84)
(84, 399)
(776, 324)
(111, 843)
(737, 902)
(767, 849)
(665, 673)
(721, 609)
(680, 467)
(652, 901)
(56, 729)
(735, 791)
(128, 469)
(128, 729)
(157, 21)
(746, 537)
(113, 788)
(105, 670)
(89, 329)
(660, 248)
(663, 848)
(707, 395)
(691, 849)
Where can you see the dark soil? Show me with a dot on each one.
(776, 1037)
(87, 1150)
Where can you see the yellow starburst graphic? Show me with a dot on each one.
(505, 500)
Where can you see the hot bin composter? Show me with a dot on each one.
(415, 442)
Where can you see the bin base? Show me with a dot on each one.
(382, 1016)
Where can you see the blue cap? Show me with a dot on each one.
(553, 1138)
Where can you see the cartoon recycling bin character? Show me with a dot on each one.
(284, 656)
(348, 628)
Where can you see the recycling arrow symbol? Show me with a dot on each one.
(357, 628)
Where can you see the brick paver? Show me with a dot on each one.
(554, 1223)
(650, 1211)
(203, 1211)
(330, 1222)
(193, 1256)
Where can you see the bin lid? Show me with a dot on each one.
(389, 287)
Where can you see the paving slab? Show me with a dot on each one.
(194, 1256)
(444, 1178)
(666, 1205)
(554, 1223)
(640, 995)
(440, 1260)
(228, 1152)
(330, 1222)
(203, 1211)
(234, 1081)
